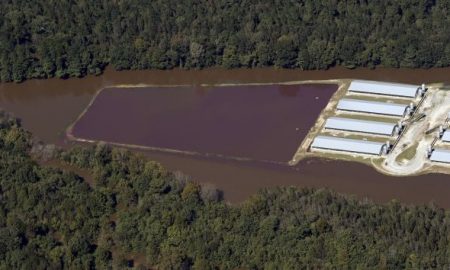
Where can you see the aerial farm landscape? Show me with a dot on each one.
(185, 122)
(399, 129)
(224, 135)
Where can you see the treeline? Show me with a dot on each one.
(43, 38)
(135, 214)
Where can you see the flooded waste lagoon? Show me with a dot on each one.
(244, 122)
(48, 107)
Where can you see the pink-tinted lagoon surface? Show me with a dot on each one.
(254, 122)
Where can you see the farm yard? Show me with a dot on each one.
(399, 129)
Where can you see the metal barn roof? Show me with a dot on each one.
(349, 145)
(446, 136)
(384, 88)
(440, 155)
(348, 124)
(372, 107)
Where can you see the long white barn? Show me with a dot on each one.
(356, 105)
(385, 88)
(440, 155)
(349, 145)
(446, 136)
(355, 125)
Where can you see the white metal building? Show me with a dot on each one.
(384, 108)
(440, 155)
(349, 145)
(386, 88)
(355, 125)
(446, 136)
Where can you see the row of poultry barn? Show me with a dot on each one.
(369, 108)
(441, 155)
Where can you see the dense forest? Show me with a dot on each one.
(135, 214)
(66, 38)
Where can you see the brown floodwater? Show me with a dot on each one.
(255, 122)
(48, 107)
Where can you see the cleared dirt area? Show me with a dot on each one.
(408, 154)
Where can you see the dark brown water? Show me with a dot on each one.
(239, 180)
(48, 107)
(264, 123)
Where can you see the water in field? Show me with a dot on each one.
(264, 122)
(48, 107)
